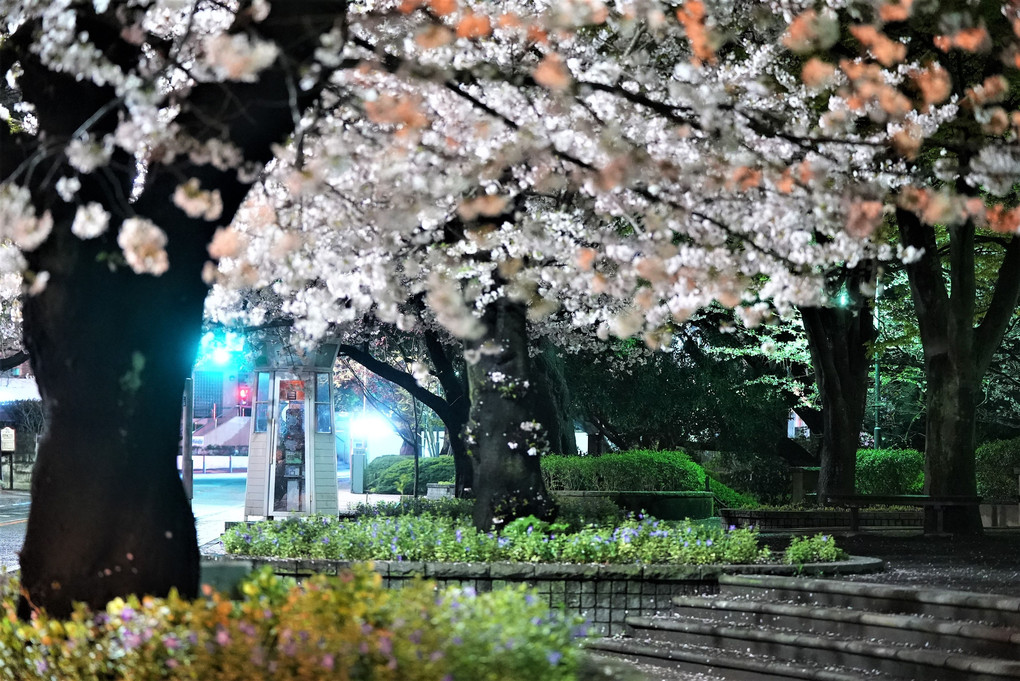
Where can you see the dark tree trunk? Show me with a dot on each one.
(838, 338)
(551, 401)
(110, 348)
(456, 395)
(956, 354)
(506, 453)
(110, 351)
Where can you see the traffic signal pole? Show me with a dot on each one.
(187, 464)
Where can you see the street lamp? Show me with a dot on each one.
(878, 383)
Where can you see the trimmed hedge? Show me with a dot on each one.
(995, 462)
(636, 470)
(395, 474)
(890, 471)
(642, 470)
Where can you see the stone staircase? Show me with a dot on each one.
(767, 628)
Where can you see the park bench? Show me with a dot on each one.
(855, 502)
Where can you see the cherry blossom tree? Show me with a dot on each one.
(143, 124)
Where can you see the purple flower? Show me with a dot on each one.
(554, 657)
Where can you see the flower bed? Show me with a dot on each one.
(350, 626)
(603, 575)
(432, 538)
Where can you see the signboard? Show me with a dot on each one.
(198, 441)
(7, 440)
(291, 391)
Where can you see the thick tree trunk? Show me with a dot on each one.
(838, 340)
(956, 354)
(505, 443)
(110, 350)
(949, 445)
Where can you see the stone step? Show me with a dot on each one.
(729, 664)
(954, 635)
(898, 661)
(939, 603)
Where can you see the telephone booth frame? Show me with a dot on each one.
(292, 460)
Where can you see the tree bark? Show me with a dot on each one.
(456, 395)
(838, 338)
(551, 403)
(956, 355)
(504, 441)
(110, 348)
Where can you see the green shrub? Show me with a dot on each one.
(428, 538)
(579, 512)
(820, 548)
(890, 471)
(636, 470)
(395, 474)
(730, 497)
(378, 466)
(995, 462)
(324, 628)
(447, 506)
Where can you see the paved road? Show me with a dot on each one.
(218, 497)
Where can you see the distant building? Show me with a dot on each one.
(227, 392)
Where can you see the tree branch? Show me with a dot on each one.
(400, 378)
(14, 360)
(1000, 310)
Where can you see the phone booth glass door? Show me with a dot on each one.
(289, 473)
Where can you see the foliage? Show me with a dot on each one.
(612, 391)
(729, 496)
(996, 461)
(820, 548)
(28, 415)
(323, 628)
(578, 512)
(449, 507)
(890, 471)
(429, 538)
(764, 477)
(636, 470)
(395, 474)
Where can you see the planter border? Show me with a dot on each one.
(604, 594)
(816, 520)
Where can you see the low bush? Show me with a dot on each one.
(427, 538)
(995, 462)
(730, 497)
(890, 471)
(820, 548)
(580, 512)
(395, 474)
(640, 469)
(457, 509)
(348, 627)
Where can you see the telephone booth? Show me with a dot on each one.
(292, 453)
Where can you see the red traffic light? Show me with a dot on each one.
(243, 394)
